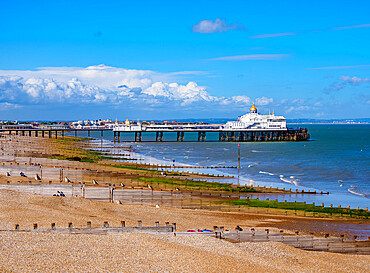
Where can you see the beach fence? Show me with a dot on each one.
(103, 230)
(221, 201)
(305, 242)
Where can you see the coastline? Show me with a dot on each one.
(351, 197)
(29, 251)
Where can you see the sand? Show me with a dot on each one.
(44, 252)
(139, 252)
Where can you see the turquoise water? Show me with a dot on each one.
(335, 160)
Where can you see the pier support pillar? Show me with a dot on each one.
(137, 136)
(75, 133)
(56, 134)
(230, 136)
(222, 136)
(16, 132)
(101, 135)
(114, 137)
(88, 133)
(29, 133)
(49, 134)
(159, 136)
(201, 136)
(43, 133)
(36, 133)
(180, 136)
(119, 137)
(22, 133)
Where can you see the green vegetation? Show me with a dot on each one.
(194, 185)
(74, 158)
(301, 206)
(131, 168)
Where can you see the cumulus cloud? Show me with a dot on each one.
(344, 81)
(209, 26)
(6, 106)
(107, 85)
(264, 101)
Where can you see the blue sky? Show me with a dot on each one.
(162, 59)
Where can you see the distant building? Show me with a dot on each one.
(54, 127)
(17, 127)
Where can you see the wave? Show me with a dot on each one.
(289, 181)
(353, 191)
(267, 173)
(198, 163)
(254, 164)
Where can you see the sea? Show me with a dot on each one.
(336, 160)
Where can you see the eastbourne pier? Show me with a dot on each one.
(250, 127)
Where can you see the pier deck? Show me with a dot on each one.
(240, 135)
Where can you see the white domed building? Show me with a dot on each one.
(255, 121)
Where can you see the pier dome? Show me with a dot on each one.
(253, 109)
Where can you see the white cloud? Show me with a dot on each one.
(251, 57)
(242, 99)
(208, 26)
(264, 101)
(272, 35)
(343, 81)
(349, 27)
(6, 106)
(280, 34)
(341, 67)
(110, 86)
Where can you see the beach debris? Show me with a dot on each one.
(157, 206)
(118, 202)
(7, 174)
(94, 182)
(66, 179)
(37, 177)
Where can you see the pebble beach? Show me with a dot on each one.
(25, 251)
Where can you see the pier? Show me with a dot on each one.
(160, 134)
(223, 135)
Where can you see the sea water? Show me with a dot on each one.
(335, 160)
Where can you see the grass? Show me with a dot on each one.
(194, 185)
(301, 206)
